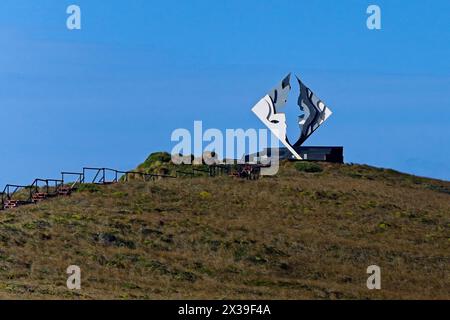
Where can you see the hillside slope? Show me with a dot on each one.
(294, 236)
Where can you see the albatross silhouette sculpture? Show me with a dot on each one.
(269, 111)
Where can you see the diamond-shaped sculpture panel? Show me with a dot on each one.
(269, 111)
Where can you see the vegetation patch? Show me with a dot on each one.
(438, 188)
(88, 187)
(205, 195)
(111, 239)
(310, 167)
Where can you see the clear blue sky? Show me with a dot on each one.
(111, 93)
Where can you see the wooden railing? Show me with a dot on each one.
(41, 188)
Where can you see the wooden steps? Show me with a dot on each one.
(10, 204)
(38, 197)
(64, 191)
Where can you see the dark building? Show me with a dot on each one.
(312, 153)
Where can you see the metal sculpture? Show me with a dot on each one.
(269, 111)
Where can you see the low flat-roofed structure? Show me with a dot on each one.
(308, 153)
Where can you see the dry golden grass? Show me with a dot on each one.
(293, 236)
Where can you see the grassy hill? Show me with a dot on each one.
(298, 235)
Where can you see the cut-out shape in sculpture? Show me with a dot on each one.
(268, 110)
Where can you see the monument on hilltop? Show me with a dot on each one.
(314, 113)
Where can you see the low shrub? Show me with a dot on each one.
(88, 187)
(162, 157)
(205, 195)
(304, 166)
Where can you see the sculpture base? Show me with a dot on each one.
(328, 154)
(313, 153)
